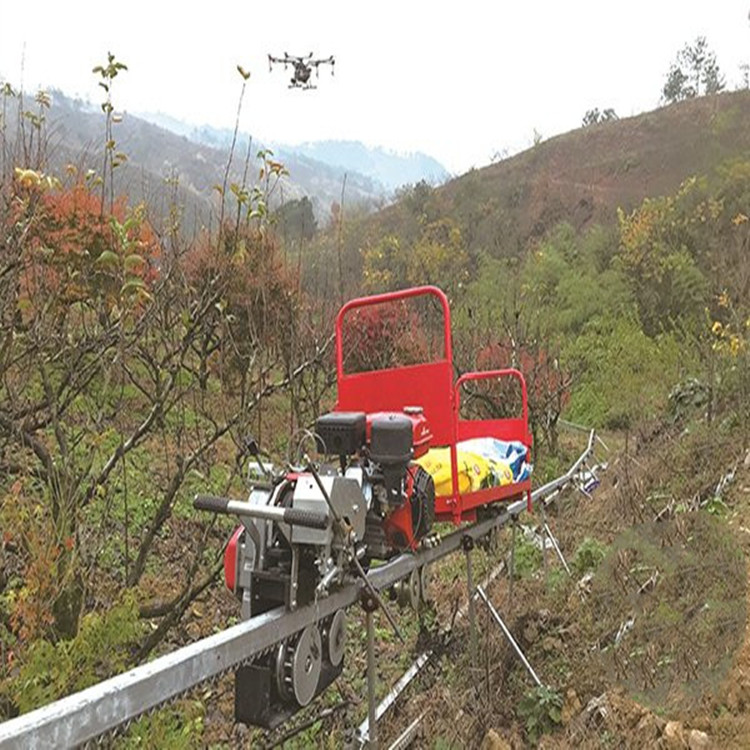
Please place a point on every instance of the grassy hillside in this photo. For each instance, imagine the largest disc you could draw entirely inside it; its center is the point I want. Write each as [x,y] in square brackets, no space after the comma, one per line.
[582,177]
[134,367]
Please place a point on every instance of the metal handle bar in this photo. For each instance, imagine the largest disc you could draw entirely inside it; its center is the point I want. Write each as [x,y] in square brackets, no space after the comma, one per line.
[468,377]
[292,516]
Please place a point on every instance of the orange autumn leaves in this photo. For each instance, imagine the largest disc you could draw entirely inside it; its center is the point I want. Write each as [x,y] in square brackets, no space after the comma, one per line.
[74,252]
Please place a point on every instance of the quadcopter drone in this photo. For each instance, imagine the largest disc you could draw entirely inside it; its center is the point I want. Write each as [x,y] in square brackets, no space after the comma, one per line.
[303,67]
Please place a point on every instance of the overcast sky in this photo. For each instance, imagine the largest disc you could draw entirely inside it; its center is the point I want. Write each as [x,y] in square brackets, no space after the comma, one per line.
[459,81]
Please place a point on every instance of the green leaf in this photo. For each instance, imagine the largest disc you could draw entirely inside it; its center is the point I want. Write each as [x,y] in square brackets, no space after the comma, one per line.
[107,258]
[134,262]
[132,285]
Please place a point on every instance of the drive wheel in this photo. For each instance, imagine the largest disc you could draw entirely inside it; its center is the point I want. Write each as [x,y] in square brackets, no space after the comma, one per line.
[298,666]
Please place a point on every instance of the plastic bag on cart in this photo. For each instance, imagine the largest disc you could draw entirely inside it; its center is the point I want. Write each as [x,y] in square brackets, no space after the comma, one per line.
[472,470]
[482,463]
[508,453]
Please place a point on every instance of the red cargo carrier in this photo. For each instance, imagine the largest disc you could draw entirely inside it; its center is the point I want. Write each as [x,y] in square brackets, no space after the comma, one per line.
[430,385]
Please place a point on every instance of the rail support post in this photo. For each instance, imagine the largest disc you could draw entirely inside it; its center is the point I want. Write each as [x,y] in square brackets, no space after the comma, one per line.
[512,566]
[499,620]
[557,549]
[370,604]
[468,545]
[544,538]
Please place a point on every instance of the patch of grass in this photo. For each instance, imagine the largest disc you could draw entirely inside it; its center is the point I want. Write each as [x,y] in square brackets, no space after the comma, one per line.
[528,558]
[557,581]
[541,711]
[102,647]
[177,727]
[588,556]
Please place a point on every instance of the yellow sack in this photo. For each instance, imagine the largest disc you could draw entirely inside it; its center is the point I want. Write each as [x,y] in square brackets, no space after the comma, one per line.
[474,471]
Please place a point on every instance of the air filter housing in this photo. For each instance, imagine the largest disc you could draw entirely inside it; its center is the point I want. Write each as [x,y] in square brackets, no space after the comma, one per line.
[341,433]
[391,439]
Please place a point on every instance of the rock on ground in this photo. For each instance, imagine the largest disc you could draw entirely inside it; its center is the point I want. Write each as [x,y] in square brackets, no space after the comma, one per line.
[698,740]
[493,741]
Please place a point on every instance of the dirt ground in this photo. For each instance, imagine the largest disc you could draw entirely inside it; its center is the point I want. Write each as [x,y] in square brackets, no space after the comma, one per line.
[679,675]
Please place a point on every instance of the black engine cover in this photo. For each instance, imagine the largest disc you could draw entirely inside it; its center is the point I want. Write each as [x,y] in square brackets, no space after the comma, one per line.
[341,433]
[391,437]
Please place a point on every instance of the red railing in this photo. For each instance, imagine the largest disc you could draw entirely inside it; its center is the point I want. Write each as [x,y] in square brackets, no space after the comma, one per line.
[430,385]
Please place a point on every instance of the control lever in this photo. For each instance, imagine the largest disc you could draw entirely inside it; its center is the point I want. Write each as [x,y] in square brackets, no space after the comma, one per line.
[253,449]
[291,516]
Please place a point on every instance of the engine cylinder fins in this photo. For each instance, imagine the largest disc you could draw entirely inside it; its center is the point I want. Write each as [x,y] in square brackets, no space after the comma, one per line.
[407,591]
[298,666]
[335,638]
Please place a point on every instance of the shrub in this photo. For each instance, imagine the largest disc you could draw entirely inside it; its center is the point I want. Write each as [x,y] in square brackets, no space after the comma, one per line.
[541,711]
[101,648]
[587,557]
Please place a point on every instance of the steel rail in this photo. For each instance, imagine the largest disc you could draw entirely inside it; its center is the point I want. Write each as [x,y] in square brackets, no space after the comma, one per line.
[110,704]
[409,734]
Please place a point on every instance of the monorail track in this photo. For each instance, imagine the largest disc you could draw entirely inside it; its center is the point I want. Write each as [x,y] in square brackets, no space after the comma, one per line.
[111,705]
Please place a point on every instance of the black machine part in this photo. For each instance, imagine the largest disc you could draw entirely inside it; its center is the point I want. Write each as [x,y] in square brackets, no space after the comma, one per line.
[391,439]
[273,689]
[422,502]
[341,433]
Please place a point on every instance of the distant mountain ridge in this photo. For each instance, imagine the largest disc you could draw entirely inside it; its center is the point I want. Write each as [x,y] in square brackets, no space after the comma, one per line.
[387,169]
[391,169]
[173,163]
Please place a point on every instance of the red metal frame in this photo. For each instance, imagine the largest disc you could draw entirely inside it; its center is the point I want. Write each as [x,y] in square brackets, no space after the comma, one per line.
[231,557]
[502,429]
[424,385]
[430,385]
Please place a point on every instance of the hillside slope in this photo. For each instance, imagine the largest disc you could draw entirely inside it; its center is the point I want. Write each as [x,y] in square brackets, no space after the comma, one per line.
[164,167]
[583,176]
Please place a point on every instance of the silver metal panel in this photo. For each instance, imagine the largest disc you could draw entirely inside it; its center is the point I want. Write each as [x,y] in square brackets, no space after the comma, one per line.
[346,498]
[349,502]
[307,496]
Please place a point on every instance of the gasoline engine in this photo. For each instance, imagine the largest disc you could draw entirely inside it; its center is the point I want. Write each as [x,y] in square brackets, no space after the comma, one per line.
[307,530]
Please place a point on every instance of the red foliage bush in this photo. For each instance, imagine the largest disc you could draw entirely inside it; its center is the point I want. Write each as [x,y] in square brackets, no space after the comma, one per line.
[383,336]
[75,252]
